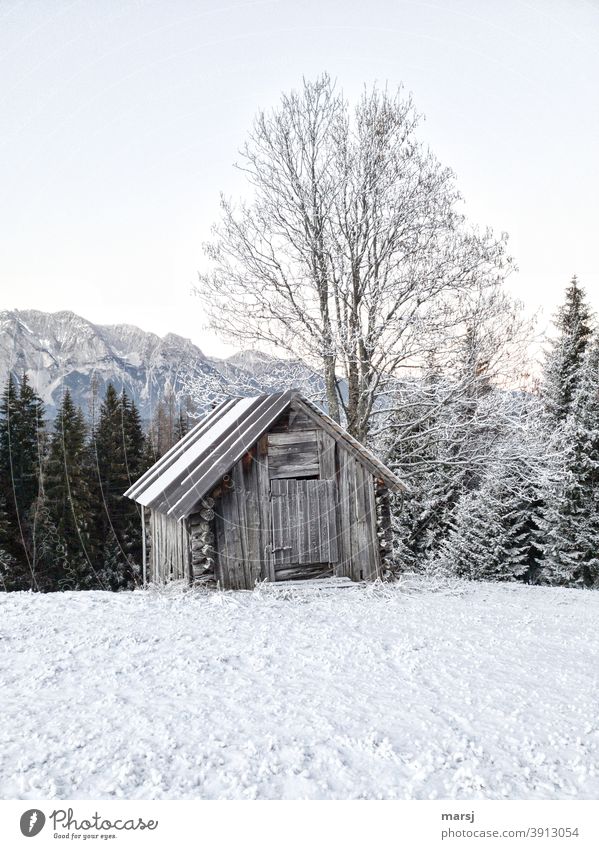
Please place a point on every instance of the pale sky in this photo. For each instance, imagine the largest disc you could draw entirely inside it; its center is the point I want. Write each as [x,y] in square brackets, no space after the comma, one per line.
[120,122]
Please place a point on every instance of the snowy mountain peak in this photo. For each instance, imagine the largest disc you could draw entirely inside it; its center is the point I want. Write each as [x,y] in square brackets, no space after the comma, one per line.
[62,349]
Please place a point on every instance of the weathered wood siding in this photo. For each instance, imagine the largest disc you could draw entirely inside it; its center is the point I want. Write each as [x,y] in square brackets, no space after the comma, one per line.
[255,542]
[327,461]
[169,549]
[359,557]
[242,523]
[293,454]
[304,522]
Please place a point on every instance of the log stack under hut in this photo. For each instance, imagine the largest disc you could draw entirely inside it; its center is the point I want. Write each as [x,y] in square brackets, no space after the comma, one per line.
[266,488]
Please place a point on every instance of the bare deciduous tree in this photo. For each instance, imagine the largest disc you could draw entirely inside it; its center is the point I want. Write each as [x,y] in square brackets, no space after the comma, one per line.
[351,253]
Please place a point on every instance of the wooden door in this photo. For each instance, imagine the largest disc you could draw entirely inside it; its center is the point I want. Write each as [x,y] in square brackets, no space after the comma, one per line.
[304,526]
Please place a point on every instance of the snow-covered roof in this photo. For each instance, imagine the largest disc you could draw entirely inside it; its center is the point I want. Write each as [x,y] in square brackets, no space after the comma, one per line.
[193,466]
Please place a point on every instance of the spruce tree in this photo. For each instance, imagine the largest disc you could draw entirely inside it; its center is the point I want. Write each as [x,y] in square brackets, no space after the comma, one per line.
[68,500]
[33,449]
[441,434]
[8,563]
[571,510]
[561,379]
[474,547]
[117,448]
[493,534]
[10,531]
[135,454]
[133,438]
[566,353]
[22,446]
[31,446]
[414,457]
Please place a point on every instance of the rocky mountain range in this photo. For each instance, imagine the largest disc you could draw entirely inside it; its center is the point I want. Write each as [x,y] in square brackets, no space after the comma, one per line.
[62,349]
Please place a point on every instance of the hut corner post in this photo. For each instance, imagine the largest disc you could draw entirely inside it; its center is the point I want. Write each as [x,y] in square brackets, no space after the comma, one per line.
[143,547]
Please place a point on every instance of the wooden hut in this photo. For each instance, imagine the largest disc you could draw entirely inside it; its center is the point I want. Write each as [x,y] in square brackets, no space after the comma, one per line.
[266,488]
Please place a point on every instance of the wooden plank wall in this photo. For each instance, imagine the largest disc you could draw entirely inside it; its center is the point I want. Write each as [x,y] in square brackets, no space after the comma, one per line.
[169,549]
[293,454]
[243,518]
[243,511]
[326,455]
[359,557]
[242,522]
[304,530]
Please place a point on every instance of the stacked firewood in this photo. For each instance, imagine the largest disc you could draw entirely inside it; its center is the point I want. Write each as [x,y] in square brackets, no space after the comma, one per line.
[384,530]
[201,529]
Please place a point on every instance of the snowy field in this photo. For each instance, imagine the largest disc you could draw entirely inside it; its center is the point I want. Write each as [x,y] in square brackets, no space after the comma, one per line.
[417,692]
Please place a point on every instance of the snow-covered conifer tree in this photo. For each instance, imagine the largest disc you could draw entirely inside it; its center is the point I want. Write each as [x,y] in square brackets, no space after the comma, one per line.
[493,534]
[571,508]
[444,433]
[562,377]
[565,356]
[494,530]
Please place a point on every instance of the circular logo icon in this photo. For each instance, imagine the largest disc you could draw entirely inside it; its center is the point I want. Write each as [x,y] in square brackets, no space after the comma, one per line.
[32,822]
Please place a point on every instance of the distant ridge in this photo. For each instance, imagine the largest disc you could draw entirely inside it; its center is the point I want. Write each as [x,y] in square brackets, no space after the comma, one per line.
[62,349]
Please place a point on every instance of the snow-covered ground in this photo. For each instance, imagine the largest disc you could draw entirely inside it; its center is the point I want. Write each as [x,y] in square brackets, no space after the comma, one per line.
[421,691]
